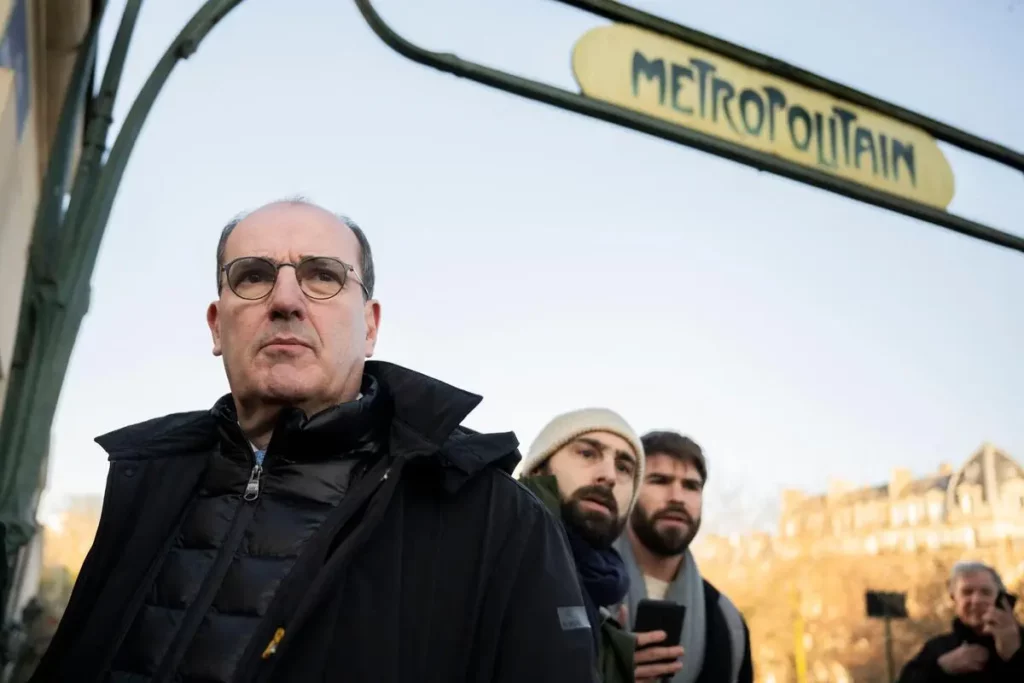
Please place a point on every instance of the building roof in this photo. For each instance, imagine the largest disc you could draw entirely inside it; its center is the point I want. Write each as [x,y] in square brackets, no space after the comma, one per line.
[972,471]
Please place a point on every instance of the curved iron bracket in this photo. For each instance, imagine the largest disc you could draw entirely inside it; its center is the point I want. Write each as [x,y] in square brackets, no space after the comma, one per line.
[581,104]
[65,244]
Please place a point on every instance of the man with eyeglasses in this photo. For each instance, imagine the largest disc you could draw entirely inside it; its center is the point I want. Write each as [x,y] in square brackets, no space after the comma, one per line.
[329,519]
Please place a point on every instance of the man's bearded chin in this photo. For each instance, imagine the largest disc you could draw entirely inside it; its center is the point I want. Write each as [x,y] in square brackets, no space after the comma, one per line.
[598,529]
[668,541]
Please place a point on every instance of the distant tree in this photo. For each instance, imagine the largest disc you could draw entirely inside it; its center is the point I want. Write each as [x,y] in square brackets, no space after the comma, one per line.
[68,543]
[55,586]
[786,595]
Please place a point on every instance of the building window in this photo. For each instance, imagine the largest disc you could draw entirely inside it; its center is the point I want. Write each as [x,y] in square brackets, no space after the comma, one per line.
[897,515]
[871,545]
[966,504]
[935,510]
[912,513]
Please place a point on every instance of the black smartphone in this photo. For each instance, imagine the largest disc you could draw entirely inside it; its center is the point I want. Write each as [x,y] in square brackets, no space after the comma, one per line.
[661,615]
[1011,600]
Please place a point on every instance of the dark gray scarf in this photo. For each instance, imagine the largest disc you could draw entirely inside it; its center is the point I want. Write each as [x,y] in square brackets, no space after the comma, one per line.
[686,589]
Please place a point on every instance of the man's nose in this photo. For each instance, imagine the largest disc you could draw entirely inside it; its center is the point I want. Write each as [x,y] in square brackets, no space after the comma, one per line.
[677,494]
[605,472]
[287,299]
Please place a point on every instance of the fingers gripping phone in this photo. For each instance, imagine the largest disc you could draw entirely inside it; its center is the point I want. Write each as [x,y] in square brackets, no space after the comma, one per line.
[661,615]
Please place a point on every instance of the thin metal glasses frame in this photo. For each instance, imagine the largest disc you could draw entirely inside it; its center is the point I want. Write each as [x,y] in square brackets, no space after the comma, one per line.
[349,271]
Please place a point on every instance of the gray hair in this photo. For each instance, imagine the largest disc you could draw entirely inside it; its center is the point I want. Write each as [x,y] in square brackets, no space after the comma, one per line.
[366,270]
[972,567]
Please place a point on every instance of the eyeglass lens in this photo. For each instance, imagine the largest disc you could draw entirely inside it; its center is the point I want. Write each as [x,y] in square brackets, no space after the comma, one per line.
[254,277]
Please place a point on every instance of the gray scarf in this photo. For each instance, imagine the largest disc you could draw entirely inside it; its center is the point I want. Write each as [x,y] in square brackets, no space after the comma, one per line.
[686,589]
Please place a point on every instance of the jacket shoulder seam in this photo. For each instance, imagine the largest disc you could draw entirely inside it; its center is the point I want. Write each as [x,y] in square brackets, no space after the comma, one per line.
[132,449]
[130,455]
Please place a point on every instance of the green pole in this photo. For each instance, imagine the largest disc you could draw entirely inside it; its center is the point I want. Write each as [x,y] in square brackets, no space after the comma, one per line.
[63,254]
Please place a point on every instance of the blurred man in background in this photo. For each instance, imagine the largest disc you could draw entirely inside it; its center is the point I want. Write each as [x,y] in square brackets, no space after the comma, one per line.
[985,643]
[656,551]
[586,466]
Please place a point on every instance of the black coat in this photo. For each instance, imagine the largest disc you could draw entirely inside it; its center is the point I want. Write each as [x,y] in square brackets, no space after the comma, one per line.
[435,566]
[924,668]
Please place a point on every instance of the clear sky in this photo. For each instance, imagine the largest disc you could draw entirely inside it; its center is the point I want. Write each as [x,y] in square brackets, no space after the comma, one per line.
[549,262]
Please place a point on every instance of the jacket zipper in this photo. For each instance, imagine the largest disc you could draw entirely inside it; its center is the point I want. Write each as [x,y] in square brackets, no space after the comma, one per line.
[196,612]
[279,633]
[252,488]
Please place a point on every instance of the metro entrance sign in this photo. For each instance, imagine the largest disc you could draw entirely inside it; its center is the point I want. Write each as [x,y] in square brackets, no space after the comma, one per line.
[688,86]
[664,79]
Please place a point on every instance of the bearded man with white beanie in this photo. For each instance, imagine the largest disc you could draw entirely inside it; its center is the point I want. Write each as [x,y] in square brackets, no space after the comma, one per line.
[586,466]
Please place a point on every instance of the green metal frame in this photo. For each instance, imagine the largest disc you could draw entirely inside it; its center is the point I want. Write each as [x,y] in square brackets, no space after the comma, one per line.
[620,13]
[65,243]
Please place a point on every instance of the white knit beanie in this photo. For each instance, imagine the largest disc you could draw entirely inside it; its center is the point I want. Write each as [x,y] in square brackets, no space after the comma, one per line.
[568,426]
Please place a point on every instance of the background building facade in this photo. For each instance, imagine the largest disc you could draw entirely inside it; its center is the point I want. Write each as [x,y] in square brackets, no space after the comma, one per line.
[805,584]
[979,503]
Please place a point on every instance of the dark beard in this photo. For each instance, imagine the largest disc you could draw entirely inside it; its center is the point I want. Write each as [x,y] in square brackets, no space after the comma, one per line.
[595,528]
[666,542]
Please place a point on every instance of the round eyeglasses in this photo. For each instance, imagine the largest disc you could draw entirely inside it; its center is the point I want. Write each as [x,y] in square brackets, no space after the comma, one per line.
[320,277]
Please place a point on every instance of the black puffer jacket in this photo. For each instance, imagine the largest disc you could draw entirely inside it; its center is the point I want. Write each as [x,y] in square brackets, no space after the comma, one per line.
[230,554]
[924,668]
[434,566]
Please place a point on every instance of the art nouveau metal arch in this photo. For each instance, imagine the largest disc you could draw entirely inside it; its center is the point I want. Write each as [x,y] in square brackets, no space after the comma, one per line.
[629,118]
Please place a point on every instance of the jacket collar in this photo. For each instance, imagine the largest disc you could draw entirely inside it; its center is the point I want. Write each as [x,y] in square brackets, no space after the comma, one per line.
[545,487]
[358,425]
[192,433]
[425,416]
[428,408]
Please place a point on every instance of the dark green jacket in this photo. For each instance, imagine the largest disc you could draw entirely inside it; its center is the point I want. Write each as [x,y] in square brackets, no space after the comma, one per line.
[616,646]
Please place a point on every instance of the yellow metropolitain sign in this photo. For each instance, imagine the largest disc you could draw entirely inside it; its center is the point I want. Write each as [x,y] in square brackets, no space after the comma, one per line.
[704,91]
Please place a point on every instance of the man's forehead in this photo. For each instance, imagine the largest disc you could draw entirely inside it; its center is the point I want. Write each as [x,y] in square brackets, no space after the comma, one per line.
[660,463]
[976,579]
[286,230]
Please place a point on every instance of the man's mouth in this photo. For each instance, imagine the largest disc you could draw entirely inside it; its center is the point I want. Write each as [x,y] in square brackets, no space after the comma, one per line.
[599,503]
[592,504]
[284,342]
[676,517]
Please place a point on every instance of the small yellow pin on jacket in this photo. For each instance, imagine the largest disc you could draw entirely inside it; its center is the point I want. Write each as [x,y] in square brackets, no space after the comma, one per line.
[274,642]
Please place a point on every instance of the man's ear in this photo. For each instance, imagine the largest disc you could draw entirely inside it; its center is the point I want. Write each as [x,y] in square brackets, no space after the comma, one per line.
[371,311]
[213,320]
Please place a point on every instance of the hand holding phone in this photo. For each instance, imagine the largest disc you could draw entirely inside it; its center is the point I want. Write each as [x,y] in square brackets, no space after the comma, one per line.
[659,630]
[1001,624]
